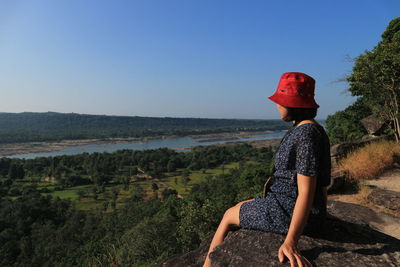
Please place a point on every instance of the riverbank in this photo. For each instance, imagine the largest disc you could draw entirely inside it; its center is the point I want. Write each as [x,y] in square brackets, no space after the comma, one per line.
[60,146]
[255,143]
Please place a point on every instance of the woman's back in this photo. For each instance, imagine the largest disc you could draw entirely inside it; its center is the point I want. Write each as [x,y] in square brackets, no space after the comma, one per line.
[304,149]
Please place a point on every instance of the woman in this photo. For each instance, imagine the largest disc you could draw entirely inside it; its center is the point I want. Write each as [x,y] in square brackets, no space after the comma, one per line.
[296,200]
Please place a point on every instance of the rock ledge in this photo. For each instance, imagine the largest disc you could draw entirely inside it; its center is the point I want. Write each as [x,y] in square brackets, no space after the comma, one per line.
[342,243]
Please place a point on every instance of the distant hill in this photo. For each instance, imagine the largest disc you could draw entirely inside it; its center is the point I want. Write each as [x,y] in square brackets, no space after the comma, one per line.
[52,126]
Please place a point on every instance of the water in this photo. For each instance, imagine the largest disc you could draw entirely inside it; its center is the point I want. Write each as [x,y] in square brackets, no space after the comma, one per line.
[151,144]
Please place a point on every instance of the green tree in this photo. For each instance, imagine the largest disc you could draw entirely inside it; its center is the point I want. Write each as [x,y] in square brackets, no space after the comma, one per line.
[376,77]
[171,166]
[126,182]
[345,125]
[186,180]
[138,192]
[168,192]
[154,187]
[148,242]
[13,172]
[81,194]
[16,171]
[186,172]
[95,192]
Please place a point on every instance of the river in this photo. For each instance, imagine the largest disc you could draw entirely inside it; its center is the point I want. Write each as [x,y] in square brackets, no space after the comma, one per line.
[180,144]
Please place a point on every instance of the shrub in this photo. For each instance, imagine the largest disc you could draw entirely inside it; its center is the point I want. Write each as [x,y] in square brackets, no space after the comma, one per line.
[371,160]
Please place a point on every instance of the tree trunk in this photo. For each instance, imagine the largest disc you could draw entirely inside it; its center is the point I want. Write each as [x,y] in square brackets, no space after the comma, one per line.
[395,126]
[394,107]
[397,132]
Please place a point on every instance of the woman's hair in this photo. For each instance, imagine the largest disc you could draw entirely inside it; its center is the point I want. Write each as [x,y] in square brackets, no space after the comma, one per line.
[300,114]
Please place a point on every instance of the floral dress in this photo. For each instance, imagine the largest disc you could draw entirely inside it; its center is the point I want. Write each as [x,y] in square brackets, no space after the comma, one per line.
[304,149]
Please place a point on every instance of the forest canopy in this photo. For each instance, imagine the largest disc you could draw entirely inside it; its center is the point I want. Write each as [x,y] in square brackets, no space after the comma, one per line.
[52,126]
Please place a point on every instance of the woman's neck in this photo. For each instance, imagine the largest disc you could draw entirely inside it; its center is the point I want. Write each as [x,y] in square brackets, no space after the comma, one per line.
[298,123]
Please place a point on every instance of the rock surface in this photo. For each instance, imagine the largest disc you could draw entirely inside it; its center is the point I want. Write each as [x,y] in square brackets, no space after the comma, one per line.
[388,180]
[372,124]
[375,204]
[385,198]
[194,258]
[361,215]
[349,242]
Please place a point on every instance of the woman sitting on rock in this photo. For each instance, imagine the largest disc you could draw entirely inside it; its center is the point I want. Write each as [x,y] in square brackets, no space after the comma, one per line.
[296,200]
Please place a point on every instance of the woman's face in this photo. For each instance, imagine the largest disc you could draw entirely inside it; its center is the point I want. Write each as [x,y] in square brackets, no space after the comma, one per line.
[283,111]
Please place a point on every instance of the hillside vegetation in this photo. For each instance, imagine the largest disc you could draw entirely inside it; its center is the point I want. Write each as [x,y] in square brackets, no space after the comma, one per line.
[116,221]
[52,126]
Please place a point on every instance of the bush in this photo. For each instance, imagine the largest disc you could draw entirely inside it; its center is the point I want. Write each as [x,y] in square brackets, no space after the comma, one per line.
[45,190]
[345,126]
[371,160]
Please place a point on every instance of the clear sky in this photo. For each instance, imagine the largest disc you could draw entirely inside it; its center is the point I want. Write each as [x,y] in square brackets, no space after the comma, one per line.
[179,58]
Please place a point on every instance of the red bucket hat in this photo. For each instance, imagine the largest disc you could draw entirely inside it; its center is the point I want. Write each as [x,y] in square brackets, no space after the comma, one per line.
[295,90]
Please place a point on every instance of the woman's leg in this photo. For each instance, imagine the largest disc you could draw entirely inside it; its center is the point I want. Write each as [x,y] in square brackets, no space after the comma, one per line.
[231,218]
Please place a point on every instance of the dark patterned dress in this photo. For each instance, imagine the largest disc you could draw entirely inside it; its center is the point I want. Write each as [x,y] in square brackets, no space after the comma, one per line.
[304,149]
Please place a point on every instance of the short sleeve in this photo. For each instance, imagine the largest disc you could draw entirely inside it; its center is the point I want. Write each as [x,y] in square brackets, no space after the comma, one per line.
[308,152]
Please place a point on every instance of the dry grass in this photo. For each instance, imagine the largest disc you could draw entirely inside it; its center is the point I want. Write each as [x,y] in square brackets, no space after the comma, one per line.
[362,195]
[370,161]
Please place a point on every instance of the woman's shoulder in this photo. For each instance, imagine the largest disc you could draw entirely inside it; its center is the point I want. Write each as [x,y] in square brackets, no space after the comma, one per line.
[308,132]
[309,128]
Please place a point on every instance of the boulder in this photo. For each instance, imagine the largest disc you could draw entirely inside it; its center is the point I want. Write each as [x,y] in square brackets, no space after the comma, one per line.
[348,242]
[372,124]
[194,258]
[375,218]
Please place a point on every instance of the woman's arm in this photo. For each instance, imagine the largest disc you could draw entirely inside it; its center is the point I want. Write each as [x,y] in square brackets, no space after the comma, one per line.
[306,190]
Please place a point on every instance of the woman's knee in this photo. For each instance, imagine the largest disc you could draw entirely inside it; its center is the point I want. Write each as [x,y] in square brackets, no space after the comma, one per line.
[229,211]
[231,215]
[240,203]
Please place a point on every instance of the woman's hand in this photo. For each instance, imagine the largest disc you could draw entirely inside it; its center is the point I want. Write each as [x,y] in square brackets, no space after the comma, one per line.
[290,250]
[306,187]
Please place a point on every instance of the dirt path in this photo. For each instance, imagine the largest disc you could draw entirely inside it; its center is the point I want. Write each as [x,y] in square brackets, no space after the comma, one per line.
[389,180]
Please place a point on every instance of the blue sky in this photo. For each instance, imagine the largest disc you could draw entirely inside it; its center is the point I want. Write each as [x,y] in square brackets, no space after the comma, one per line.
[186,58]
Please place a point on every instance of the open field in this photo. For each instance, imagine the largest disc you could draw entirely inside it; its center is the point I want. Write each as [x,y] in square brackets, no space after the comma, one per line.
[196,177]
[87,201]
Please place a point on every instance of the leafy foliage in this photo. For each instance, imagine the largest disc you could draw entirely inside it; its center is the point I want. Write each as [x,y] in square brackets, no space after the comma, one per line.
[376,80]
[44,231]
[345,125]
